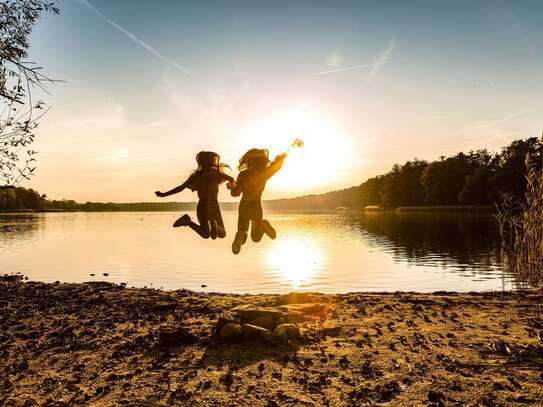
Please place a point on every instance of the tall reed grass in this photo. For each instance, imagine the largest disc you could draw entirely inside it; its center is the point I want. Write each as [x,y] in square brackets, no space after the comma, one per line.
[521,228]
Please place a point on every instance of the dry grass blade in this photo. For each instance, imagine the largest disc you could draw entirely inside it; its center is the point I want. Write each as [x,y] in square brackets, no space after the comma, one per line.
[521,229]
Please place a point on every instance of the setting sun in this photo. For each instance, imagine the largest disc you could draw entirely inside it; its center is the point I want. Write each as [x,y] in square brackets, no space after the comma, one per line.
[325,151]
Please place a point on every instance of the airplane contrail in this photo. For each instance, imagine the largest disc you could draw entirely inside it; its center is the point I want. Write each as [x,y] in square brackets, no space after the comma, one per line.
[347,68]
[135,39]
[375,66]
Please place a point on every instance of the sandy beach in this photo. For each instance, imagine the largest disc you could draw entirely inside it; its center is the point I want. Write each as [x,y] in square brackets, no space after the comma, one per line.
[102,344]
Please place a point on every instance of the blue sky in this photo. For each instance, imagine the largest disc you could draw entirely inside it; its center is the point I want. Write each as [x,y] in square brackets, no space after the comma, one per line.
[369,83]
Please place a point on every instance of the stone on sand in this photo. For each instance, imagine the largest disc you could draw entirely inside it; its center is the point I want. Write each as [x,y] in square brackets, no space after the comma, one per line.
[248,312]
[294,317]
[231,332]
[253,332]
[265,321]
[286,332]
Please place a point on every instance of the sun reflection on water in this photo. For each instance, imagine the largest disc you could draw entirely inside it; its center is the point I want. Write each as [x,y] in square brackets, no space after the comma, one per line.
[298,260]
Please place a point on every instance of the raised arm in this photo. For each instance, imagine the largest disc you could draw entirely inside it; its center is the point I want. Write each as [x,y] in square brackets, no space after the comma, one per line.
[275,165]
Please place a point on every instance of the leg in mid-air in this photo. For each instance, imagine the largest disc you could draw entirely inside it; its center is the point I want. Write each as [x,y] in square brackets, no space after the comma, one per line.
[239,240]
[203,229]
[243,227]
[259,226]
[184,220]
[213,228]
[221,230]
[218,220]
[268,229]
[256,231]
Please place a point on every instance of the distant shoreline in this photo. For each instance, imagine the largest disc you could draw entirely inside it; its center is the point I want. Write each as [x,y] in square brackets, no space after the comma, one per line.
[270,206]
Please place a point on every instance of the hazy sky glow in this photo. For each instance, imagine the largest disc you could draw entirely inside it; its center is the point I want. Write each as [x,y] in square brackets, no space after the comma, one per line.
[365,84]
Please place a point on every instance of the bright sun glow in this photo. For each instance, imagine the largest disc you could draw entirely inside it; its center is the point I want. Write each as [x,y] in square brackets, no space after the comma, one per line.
[123,153]
[325,153]
[298,260]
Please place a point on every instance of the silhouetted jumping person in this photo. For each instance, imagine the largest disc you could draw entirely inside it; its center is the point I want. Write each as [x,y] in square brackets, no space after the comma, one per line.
[255,170]
[205,180]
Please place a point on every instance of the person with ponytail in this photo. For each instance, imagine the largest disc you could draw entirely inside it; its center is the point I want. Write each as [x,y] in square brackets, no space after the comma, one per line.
[255,170]
[205,180]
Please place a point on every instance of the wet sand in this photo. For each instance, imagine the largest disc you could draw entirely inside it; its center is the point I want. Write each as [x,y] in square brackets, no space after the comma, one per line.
[100,344]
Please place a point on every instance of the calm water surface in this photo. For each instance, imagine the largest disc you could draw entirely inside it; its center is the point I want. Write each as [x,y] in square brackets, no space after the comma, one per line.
[328,253]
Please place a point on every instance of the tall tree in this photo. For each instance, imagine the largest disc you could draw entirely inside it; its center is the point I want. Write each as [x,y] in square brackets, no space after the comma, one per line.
[443,180]
[510,177]
[402,185]
[19,114]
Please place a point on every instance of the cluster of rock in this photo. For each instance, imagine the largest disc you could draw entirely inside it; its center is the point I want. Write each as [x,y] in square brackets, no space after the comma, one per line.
[250,322]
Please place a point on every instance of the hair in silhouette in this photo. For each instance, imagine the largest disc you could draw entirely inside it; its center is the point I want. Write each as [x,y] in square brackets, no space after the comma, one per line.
[254,158]
[205,180]
[209,160]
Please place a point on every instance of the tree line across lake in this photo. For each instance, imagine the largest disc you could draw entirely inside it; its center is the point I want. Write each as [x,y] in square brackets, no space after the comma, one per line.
[474,178]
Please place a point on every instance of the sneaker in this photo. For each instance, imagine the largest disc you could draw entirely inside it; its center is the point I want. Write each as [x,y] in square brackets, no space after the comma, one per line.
[236,246]
[182,221]
[268,229]
[239,240]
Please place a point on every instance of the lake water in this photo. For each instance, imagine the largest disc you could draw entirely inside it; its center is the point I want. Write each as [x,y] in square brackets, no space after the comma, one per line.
[319,252]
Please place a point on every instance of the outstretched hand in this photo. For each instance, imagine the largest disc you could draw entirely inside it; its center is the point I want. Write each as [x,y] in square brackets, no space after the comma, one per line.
[297,143]
[159,194]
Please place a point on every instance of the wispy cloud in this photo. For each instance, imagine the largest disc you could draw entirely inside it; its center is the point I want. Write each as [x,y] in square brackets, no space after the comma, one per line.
[374,66]
[496,121]
[381,60]
[135,39]
[519,29]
